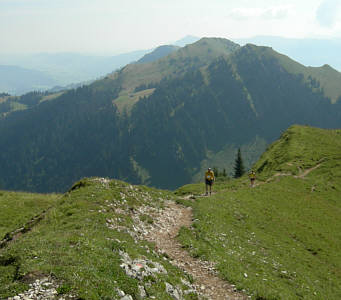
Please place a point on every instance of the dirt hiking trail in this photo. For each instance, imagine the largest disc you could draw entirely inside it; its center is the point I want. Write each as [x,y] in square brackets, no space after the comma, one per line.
[165,230]
[302,174]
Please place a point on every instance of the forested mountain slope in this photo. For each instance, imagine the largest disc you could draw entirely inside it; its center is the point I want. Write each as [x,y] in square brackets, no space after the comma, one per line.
[161,123]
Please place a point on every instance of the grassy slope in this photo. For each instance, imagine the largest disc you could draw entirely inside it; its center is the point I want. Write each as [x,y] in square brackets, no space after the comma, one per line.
[51,96]
[74,244]
[13,105]
[16,105]
[19,208]
[127,100]
[279,240]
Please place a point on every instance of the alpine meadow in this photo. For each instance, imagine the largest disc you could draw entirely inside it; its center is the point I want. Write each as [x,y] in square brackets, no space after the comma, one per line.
[102,192]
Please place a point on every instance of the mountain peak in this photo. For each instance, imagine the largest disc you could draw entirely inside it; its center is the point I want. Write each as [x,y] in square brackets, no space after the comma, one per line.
[208,48]
[216,42]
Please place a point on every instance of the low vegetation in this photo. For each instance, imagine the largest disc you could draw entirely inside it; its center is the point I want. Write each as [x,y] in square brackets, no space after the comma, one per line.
[126,101]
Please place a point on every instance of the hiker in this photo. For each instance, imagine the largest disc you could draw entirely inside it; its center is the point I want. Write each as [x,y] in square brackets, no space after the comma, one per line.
[209,180]
[252,177]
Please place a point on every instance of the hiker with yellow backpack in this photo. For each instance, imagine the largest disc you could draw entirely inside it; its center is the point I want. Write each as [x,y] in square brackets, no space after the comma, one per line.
[209,180]
[252,176]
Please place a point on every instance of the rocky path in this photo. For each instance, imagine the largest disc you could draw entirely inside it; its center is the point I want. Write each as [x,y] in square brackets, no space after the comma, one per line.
[307,171]
[165,229]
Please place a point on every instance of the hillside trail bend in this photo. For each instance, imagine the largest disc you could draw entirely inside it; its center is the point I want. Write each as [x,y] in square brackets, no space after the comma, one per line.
[302,173]
[165,229]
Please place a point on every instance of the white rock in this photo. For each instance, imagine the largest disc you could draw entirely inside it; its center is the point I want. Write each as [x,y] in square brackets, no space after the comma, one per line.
[173,292]
[142,291]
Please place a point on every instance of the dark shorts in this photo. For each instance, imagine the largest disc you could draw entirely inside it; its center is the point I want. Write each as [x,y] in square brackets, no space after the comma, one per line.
[252,179]
[209,182]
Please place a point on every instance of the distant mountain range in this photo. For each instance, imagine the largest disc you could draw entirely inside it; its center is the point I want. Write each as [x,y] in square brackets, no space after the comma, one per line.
[72,69]
[164,121]
[17,80]
[68,69]
[65,68]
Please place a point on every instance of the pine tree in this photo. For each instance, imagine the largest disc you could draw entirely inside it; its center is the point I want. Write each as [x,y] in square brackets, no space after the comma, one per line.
[238,165]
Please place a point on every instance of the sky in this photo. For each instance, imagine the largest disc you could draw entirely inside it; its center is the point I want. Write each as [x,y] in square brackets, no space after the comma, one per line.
[116,26]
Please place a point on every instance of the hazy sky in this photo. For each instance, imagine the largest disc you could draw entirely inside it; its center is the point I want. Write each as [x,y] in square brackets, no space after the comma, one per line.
[112,26]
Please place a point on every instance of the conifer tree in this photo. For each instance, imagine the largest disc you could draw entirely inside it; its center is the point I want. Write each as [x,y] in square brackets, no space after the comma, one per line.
[239,169]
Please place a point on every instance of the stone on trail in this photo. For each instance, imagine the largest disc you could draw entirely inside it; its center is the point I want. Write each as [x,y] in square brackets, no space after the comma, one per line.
[173,292]
[142,291]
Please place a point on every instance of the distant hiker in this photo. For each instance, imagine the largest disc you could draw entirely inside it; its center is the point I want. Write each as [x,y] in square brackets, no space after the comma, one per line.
[209,180]
[252,177]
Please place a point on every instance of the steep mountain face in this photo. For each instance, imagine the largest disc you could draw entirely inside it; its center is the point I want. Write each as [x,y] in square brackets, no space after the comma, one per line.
[161,123]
